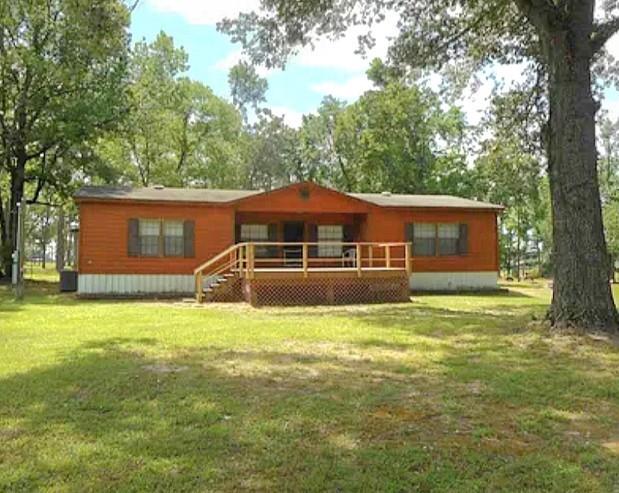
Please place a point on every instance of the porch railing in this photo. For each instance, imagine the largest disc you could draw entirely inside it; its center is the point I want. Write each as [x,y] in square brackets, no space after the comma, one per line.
[245,259]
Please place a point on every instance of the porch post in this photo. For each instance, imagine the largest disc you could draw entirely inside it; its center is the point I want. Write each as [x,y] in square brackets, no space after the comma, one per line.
[407,256]
[388,256]
[250,260]
[358,260]
[199,287]
[240,263]
[305,261]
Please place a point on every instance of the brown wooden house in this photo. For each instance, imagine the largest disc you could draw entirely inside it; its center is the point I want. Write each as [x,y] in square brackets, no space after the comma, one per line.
[303,243]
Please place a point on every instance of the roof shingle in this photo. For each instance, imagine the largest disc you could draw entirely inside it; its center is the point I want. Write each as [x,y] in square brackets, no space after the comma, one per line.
[167,194]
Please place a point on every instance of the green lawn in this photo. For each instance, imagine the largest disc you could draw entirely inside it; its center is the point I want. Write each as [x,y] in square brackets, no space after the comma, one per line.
[447,393]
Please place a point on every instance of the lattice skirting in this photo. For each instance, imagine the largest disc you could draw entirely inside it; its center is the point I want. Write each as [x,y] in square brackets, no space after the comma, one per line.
[325,291]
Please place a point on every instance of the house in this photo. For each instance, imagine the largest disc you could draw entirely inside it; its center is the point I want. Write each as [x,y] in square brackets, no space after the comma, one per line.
[162,240]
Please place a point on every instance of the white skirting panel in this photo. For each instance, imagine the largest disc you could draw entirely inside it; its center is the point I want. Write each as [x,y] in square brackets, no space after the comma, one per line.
[127,284]
[453,281]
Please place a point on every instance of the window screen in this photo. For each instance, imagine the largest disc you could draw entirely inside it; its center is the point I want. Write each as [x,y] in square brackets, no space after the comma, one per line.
[424,241]
[330,233]
[149,231]
[448,237]
[173,243]
[256,233]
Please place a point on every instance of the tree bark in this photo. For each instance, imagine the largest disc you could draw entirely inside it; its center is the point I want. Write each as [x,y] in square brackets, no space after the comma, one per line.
[18,177]
[60,241]
[582,295]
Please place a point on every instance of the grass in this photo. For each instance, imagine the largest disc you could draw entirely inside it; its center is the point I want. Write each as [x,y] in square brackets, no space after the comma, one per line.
[447,393]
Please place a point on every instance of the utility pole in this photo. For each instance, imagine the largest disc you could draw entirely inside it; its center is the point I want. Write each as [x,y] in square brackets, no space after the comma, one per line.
[19,253]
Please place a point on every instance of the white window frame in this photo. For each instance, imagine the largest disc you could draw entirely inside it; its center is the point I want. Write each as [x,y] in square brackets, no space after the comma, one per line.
[168,233]
[330,233]
[448,231]
[142,225]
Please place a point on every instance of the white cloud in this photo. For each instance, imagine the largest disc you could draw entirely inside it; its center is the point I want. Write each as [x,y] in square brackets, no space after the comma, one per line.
[336,54]
[229,61]
[340,53]
[235,57]
[349,90]
[207,12]
[291,117]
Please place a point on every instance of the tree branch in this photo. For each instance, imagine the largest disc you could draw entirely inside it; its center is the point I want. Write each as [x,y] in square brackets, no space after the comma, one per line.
[602,32]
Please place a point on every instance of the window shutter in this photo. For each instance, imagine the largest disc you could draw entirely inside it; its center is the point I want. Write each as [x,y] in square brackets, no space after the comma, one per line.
[348,233]
[237,233]
[273,232]
[312,233]
[409,232]
[463,239]
[189,235]
[133,238]
[272,235]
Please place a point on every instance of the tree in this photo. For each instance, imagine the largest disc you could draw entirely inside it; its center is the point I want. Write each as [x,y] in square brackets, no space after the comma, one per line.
[272,153]
[62,76]
[561,39]
[609,180]
[247,87]
[178,133]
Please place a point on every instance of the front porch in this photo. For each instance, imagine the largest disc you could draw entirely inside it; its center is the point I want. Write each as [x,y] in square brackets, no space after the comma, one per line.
[306,273]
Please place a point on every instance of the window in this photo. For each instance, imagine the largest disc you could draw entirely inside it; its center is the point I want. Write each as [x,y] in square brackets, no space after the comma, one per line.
[256,233]
[330,233]
[424,240]
[173,238]
[438,239]
[448,238]
[149,233]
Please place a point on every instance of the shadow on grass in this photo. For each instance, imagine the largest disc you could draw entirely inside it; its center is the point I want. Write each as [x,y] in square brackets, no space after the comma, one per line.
[115,415]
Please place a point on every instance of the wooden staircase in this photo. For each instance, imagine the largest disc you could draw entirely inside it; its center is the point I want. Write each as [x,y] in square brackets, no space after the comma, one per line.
[225,288]
[225,271]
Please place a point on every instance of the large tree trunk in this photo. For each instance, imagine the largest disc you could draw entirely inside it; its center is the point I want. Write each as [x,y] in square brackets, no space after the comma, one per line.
[582,295]
[17,192]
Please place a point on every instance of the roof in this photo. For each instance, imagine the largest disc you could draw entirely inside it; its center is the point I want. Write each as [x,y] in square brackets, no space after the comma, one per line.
[163,194]
[167,194]
[403,200]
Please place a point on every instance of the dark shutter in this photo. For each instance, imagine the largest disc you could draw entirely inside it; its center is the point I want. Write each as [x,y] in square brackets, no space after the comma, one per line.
[409,232]
[312,233]
[189,228]
[237,233]
[463,239]
[348,233]
[272,250]
[133,238]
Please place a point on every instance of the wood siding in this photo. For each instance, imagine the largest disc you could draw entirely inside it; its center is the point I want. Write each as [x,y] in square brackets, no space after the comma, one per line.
[303,198]
[385,224]
[103,237]
[103,247]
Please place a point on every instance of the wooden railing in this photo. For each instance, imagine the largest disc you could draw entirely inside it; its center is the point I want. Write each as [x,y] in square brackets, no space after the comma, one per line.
[244,259]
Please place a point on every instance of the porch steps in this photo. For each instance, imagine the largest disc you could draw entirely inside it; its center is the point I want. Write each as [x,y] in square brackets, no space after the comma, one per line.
[227,287]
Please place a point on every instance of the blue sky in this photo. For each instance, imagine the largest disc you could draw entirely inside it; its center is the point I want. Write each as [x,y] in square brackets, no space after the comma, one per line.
[331,68]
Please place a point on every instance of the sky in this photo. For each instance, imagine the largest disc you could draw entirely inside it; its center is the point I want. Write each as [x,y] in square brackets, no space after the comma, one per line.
[331,68]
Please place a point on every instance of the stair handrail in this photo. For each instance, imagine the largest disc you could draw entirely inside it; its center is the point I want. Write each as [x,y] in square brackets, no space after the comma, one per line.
[198,272]
[219,256]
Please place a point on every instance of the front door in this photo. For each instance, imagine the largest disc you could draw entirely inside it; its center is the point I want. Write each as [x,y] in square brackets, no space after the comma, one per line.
[294,232]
